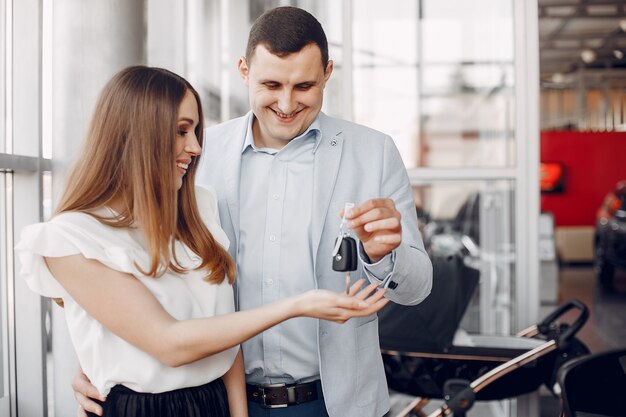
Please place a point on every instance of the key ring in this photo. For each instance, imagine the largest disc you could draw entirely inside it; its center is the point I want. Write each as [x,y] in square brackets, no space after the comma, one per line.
[342,233]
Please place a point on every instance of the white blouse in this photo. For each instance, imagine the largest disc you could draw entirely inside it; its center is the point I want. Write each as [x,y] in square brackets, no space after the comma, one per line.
[105,358]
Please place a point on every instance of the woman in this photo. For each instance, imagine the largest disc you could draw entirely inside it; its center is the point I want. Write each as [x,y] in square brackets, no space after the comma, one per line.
[136,255]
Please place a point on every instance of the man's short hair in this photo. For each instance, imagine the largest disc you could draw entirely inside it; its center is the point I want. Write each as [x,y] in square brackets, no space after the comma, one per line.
[286,30]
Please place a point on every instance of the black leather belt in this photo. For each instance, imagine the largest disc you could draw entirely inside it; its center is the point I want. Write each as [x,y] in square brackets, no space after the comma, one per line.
[283,395]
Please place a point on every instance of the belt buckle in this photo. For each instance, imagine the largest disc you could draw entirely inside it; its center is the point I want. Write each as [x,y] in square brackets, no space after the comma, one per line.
[264,404]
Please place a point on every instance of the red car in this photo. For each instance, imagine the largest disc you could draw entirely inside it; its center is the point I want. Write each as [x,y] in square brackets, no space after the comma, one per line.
[610,237]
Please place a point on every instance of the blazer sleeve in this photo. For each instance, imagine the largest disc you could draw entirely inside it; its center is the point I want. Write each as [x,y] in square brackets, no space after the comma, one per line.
[410,280]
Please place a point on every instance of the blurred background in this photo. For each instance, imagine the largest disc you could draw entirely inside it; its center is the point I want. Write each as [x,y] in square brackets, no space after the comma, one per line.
[509,116]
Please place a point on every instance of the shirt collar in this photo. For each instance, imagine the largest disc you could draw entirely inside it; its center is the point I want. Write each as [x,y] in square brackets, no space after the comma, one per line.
[313,131]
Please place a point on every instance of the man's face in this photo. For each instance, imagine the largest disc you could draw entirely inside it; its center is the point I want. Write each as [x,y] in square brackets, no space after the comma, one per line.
[286,93]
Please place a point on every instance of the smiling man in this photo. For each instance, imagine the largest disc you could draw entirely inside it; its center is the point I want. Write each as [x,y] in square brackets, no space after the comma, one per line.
[282,174]
[286,93]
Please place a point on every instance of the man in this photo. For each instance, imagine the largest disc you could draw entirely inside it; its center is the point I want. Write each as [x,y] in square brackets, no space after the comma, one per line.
[283,174]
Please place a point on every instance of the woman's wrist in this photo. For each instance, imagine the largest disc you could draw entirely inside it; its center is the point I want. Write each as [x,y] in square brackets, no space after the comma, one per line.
[293,306]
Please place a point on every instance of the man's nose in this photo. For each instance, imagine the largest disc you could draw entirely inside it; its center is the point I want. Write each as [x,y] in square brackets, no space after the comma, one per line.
[286,102]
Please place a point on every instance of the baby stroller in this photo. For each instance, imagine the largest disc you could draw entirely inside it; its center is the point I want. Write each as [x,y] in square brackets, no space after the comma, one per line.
[423,360]
[594,385]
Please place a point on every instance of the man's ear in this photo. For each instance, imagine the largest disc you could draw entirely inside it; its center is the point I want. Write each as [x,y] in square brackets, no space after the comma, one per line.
[242,67]
[328,70]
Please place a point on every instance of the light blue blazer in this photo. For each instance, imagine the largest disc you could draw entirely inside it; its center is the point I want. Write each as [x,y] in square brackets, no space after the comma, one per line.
[352,164]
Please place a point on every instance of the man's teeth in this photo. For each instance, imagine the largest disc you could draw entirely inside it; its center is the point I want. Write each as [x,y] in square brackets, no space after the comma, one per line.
[283,115]
[181,165]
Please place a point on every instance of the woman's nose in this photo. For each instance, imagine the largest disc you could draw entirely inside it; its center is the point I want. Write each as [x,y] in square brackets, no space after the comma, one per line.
[192,146]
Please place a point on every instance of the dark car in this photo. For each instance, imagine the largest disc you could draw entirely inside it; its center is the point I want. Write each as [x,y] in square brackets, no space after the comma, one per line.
[610,237]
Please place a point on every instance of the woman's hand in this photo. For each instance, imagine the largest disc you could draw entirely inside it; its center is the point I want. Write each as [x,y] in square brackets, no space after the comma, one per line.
[328,305]
[85,392]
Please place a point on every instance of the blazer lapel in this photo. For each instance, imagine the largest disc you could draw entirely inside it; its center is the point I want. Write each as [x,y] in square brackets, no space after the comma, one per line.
[327,159]
[232,172]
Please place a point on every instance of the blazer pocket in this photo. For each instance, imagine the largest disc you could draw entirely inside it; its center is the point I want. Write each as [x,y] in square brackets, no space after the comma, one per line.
[370,375]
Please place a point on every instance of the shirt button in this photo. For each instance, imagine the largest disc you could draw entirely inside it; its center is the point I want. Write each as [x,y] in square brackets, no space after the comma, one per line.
[269,282]
[275,196]
[272,238]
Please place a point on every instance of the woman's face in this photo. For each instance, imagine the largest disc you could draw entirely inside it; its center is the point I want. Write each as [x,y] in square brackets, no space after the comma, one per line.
[187,145]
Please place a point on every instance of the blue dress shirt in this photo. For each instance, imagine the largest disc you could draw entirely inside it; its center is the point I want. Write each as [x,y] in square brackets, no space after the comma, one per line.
[275,258]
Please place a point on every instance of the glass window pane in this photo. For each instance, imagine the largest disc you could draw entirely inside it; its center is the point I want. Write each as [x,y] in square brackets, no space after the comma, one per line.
[2,74]
[467,228]
[439,80]
[385,75]
[466,85]
[459,31]
[3,270]
[4,323]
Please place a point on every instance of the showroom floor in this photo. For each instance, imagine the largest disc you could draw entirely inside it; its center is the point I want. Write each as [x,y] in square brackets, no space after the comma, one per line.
[605,329]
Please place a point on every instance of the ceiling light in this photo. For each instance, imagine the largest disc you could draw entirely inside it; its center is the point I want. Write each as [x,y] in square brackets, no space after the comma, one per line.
[558,78]
[588,56]
[622,25]
[618,54]
[601,9]
[561,11]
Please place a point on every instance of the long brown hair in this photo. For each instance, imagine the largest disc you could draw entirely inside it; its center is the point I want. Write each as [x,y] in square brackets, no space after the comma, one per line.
[129,148]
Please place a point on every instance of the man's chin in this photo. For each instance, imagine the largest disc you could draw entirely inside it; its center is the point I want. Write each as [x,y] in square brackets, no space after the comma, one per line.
[285,135]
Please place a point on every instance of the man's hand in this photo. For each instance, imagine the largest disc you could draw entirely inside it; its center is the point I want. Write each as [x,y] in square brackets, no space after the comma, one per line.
[84,392]
[377,224]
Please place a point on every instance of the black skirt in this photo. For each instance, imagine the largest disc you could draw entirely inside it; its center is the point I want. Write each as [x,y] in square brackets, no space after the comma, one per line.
[208,400]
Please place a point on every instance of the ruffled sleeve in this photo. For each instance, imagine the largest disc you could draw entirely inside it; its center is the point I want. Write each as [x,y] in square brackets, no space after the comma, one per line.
[38,241]
[71,234]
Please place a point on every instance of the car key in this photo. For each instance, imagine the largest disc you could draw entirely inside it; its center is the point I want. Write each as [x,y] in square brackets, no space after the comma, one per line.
[345,258]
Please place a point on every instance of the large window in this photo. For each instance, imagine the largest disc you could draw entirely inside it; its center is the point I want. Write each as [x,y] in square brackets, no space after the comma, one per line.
[4,299]
[4,342]
[454,83]
[22,345]
[5,253]
[438,76]
[467,84]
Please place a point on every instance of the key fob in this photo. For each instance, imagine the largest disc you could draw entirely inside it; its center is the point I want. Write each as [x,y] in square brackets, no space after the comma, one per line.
[346,257]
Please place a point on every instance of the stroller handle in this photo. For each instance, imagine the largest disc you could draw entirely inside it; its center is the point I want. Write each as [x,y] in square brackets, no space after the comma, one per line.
[564,338]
